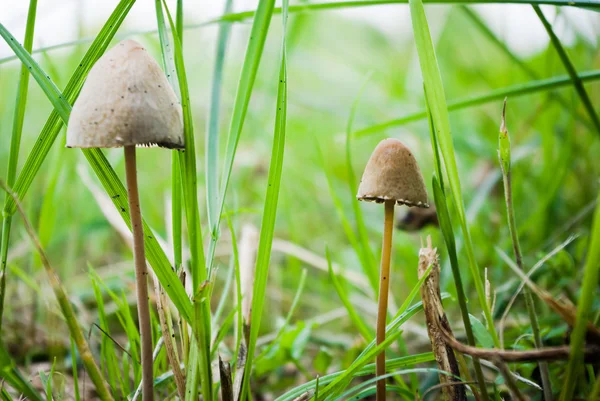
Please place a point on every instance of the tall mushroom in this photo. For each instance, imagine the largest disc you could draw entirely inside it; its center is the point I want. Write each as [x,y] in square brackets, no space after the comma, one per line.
[126,101]
[391,177]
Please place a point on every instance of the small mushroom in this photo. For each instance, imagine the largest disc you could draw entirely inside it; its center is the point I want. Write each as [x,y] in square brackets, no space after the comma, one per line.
[126,102]
[391,177]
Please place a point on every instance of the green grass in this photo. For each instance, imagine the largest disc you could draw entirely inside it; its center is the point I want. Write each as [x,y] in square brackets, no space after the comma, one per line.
[290,165]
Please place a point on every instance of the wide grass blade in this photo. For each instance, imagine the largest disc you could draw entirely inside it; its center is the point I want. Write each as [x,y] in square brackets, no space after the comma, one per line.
[54,123]
[267,228]
[445,224]
[439,113]
[256,43]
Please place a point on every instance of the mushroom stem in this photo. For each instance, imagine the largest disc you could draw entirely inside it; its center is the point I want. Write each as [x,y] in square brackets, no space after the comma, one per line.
[141,273]
[384,285]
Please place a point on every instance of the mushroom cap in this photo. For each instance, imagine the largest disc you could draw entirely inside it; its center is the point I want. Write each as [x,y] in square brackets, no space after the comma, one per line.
[126,100]
[392,173]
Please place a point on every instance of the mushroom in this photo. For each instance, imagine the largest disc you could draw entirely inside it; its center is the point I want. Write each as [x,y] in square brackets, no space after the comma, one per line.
[126,101]
[391,177]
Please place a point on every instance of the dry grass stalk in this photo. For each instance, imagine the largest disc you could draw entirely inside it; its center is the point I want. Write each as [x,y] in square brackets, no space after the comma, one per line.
[167,335]
[436,317]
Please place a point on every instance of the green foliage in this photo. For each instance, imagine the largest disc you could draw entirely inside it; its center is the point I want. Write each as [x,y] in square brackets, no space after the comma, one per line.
[316,261]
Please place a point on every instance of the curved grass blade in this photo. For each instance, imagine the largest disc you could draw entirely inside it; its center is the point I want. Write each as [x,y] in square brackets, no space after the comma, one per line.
[564,57]
[501,45]
[494,95]
[392,333]
[300,8]
[54,123]
[366,370]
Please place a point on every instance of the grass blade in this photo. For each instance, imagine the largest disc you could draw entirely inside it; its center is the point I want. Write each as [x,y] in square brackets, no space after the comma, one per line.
[392,333]
[11,374]
[366,334]
[505,165]
[492,96]
[366,370]
[15,145]
[371,268]
[270,213]
[439,113]
[562,53]
[487,32]
[53,124]
[256,43]
[584,309]
[212,136]
[187,163]
[445,223]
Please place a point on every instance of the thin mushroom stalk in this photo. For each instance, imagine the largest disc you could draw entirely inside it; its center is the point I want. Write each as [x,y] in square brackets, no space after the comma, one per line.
[384,286]
[391,177]
[127,101]
[141,272]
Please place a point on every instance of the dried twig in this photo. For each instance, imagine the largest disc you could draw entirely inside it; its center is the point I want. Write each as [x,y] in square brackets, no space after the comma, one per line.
[436,318]
[561,353]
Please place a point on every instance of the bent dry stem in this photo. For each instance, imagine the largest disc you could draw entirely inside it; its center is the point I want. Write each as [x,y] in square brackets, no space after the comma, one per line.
[141,273]
[384,285]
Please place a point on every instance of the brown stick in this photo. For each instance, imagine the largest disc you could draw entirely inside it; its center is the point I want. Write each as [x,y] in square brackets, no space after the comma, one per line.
[226,385]
[141,273]
[561,353]
[384,285]
[436,317]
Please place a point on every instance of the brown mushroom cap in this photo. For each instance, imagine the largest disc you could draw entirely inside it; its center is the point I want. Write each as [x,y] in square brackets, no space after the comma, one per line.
[392,173]
[126,100]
